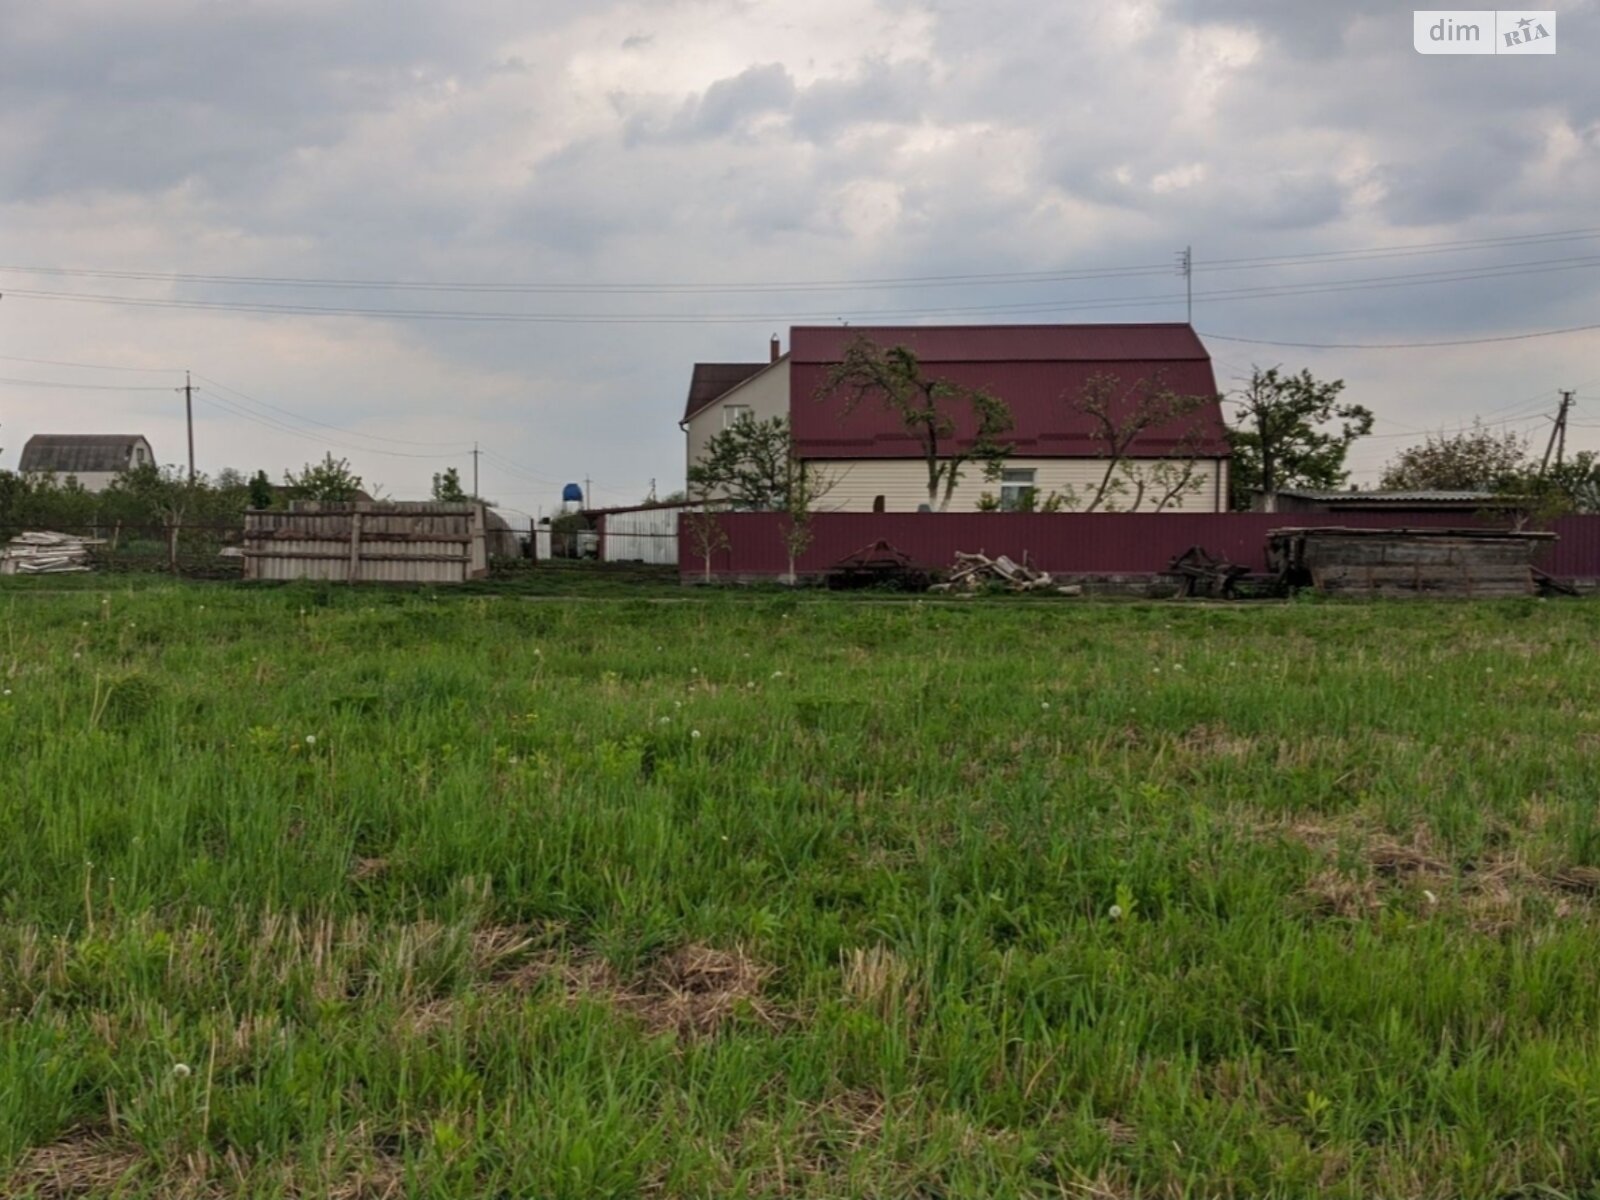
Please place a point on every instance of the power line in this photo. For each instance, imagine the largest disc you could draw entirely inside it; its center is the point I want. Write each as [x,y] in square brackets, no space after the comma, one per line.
[1478,341]
[992,278]
[85,387]
[312,420]
[1408,279]
[271,423]
[56,362]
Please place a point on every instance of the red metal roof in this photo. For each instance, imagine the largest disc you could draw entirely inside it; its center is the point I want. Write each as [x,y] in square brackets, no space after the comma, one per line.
[1035,369]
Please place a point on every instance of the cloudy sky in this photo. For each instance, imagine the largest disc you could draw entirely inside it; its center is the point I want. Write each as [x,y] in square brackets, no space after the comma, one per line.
[640,185]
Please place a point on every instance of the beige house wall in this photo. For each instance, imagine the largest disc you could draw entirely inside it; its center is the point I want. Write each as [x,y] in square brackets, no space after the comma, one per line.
[903,484]
[766,394]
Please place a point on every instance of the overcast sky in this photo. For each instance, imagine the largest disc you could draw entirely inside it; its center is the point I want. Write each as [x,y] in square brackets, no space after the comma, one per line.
[717,143]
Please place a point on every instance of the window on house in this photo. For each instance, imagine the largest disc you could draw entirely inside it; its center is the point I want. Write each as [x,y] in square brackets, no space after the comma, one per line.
[138,456]
[1015,484]
[732,414]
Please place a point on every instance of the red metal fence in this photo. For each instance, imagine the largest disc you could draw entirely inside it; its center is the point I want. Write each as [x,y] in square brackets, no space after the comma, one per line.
[1075,543]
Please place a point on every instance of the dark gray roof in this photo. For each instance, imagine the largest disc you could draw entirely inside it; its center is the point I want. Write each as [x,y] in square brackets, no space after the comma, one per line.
[711,380]
[72,453]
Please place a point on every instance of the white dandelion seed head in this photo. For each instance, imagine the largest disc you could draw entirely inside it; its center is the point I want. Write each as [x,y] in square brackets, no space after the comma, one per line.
[694,733]
[664,721]
[181,1070]
[311,739]
[677,704]
[76,654]
[1044,704]
[1116,912]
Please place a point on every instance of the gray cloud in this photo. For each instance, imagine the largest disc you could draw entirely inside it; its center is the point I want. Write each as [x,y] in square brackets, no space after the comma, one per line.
[718,141]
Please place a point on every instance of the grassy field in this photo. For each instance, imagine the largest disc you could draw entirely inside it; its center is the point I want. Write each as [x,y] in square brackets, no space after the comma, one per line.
[333,894]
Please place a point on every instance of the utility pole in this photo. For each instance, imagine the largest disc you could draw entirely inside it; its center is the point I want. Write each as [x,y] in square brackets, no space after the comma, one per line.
[1186,269]
[587,499]
[475,453]
[1558,434]
[188,413]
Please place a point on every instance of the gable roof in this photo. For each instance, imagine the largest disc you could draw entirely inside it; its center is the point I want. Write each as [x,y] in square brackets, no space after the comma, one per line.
[1033,368]
[711,380]
[73,453]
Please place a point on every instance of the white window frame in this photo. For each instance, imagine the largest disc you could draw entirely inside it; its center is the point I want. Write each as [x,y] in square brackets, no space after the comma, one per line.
[732,414]
[1013,482]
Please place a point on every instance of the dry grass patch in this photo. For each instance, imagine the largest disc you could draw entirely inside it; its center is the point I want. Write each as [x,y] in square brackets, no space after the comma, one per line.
[81,1164]
[691,991]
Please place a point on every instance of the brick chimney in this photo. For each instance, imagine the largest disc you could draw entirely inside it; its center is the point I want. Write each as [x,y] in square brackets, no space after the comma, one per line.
[776,353]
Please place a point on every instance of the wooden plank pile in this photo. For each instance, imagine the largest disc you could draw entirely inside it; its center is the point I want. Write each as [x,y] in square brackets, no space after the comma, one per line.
[972,572]
[46,553]
[1479,563]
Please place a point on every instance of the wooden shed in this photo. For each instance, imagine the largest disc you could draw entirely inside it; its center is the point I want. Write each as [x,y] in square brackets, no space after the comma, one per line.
[1482,563]
[367,541]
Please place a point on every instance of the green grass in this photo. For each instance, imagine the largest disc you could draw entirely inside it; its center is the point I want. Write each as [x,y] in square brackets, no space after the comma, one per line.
[331,893]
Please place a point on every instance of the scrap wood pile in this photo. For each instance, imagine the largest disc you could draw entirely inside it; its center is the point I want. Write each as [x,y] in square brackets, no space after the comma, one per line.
[973,571]
[47,554]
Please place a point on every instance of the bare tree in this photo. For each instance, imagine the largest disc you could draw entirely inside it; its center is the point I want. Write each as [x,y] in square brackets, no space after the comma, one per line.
[926,407]
[1120,415]
[705,532]
[806,485]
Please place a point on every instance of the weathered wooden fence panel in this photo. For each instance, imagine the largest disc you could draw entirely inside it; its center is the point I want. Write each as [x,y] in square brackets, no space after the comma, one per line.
[367,542]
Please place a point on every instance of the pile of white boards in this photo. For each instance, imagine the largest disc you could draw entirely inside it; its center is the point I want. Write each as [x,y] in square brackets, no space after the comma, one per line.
[47,554]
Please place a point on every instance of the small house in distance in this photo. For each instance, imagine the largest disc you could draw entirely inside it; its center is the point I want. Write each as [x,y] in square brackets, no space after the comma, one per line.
[93,459]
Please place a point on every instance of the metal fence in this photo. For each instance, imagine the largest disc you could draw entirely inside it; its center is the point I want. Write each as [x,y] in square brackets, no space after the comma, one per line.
[752,544]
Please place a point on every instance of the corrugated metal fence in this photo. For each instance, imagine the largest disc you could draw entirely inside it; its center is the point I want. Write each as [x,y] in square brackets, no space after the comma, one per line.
[1078,543]
[367,541]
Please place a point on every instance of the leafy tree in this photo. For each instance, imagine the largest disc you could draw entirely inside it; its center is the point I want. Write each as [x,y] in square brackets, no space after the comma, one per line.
[748,463]
[447,486]
[1119,416]
[1472,460]
[261,491]
[330,479]
[1282,437]
[678,497]
[1567,487]
[927,407]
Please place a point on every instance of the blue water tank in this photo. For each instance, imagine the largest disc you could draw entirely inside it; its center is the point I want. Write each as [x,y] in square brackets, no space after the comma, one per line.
[573,493]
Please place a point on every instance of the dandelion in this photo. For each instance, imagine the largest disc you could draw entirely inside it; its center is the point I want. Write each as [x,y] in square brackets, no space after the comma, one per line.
[1155,670]
[1044,704]
[181,1070]
[694,733]
[1116,912]
[7,692]
[1177,666]
[311,739]
[677,704]
[75,654]
[664,721]
[777,674]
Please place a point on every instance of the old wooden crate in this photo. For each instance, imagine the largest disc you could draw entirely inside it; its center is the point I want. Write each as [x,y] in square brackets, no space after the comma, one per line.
[367,541]
[1482,563]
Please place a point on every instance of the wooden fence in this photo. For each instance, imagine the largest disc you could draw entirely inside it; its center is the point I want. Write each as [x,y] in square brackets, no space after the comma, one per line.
[367,542]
